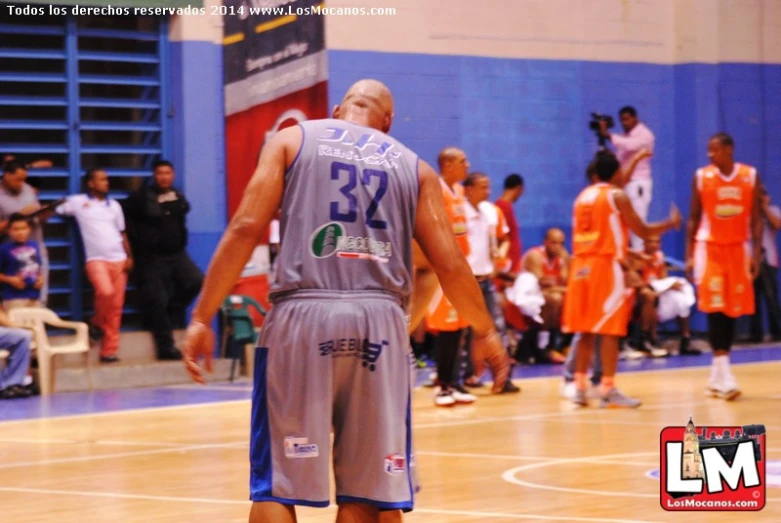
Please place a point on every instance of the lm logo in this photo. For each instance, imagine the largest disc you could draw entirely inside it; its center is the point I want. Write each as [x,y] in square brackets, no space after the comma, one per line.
[713,468]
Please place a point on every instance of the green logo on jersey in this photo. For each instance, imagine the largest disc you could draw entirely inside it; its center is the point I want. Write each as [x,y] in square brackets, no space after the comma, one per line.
[325,239]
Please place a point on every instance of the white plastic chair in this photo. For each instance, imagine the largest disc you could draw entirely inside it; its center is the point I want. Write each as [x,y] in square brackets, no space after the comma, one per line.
[36,320]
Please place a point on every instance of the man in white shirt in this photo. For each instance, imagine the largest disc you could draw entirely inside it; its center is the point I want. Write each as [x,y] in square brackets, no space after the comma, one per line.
[487,233]
[636,137]
[109,260]
[766,284]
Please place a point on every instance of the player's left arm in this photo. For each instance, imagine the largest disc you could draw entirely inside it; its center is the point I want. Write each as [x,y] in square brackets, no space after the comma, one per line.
[756,228]
[565,261]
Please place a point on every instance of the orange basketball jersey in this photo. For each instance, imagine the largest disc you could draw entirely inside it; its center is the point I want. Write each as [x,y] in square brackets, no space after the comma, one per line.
[597,226]
[441,315]
[551,268]
[726,204]
[653,271]
[454,206]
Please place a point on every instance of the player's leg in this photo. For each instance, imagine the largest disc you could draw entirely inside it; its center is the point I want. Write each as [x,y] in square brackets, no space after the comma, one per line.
[448,344]
[568,372]
[291,411]
[582,361]
[372,419]
[721,333]
[616,302]
[270,512]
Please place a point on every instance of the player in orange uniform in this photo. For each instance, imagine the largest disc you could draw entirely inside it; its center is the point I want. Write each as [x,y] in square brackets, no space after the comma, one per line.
[440,316]
[598,300]
[725,207]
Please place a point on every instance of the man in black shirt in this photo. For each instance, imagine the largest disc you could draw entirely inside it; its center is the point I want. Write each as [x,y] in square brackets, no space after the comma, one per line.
[167,278]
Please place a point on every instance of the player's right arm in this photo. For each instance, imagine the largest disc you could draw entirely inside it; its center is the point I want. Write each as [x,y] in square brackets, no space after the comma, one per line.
[637,224]
[434,235]
[532,263]
[695,215]
[258,207]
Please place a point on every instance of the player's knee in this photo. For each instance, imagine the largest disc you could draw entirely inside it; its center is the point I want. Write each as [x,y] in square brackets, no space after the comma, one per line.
[390,516]
[554,299]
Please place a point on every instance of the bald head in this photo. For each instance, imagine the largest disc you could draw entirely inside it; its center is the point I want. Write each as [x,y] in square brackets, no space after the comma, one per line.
[554,242]
[652,244]
[367,102]
[453,165]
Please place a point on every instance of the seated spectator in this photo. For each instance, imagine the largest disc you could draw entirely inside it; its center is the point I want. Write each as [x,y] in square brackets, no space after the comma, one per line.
[662,298]
[14,380]
[766,284]
[21,277]
[109,260]
[18,196]
[168,279]
[549,263]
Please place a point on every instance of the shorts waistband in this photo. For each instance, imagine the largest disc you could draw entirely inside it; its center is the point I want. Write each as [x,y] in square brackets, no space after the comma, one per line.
[328,295]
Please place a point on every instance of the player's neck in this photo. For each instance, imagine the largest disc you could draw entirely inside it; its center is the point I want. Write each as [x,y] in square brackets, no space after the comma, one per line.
[727,168]
[450,180]
[507,197]
[474,203]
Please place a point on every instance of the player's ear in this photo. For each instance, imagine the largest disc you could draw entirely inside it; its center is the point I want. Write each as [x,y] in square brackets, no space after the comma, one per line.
[335,112]
[386,125]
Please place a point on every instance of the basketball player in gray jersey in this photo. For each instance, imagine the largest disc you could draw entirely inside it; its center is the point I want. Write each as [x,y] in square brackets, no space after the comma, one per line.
[334,351]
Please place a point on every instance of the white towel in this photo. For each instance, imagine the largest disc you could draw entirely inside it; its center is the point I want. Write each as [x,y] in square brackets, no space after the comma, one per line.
[527,295]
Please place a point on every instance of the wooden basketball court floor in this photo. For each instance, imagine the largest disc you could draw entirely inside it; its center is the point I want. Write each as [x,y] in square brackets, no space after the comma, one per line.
[523,457]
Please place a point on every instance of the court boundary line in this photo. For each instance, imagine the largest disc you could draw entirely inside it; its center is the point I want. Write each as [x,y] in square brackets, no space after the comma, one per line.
[421,510]
[248,400]
[510,476]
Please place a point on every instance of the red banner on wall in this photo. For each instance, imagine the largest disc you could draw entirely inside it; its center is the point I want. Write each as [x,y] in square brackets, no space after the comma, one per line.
[275,75]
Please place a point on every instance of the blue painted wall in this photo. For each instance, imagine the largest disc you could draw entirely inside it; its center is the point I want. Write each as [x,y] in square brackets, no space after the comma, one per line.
[530,116]
[199,137]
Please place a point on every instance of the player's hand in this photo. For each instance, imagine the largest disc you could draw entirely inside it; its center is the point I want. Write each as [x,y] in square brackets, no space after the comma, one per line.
[199,343]
[489,349]
[675,217]
[643,154]
[29,209]
[755,267]
[16,282]
[689,269]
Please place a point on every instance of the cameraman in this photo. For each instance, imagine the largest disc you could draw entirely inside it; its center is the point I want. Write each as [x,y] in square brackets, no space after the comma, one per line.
[635,138]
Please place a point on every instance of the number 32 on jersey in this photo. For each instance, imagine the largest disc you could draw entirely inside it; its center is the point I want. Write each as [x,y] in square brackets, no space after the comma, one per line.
[346,210]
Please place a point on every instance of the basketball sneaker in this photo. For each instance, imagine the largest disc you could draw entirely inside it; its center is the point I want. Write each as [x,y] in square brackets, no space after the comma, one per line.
[461,395]
[444,398]
[729,388]
[615,399]
[580,398]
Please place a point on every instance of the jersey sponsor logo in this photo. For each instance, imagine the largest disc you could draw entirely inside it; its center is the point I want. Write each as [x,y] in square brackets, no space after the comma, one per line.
[729,193]
[330,239]
[395,464]
[300,448]
[363,349]
[728,210]
[368,148]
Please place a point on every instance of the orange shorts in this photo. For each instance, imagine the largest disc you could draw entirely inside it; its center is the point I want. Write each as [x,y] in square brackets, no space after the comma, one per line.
[597,300]
[442,316]
[723,277]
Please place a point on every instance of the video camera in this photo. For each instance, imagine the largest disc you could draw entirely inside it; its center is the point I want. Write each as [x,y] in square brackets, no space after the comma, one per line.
[594,126]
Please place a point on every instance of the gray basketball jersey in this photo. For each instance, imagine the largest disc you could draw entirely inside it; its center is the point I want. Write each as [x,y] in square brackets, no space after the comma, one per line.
[348,212]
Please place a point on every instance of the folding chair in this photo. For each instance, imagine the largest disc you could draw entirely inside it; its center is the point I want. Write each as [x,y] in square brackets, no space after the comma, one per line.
[239,329]
[36,320]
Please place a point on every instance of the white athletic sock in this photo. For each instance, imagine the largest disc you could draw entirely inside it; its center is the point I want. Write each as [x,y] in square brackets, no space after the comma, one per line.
[718,370]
